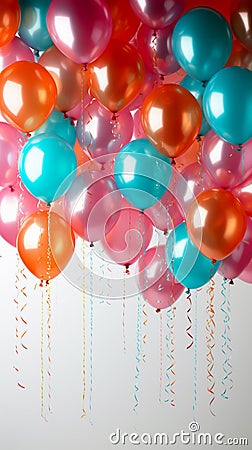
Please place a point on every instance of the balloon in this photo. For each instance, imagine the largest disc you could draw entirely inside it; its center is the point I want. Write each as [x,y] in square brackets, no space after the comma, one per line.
[9,20]
[100,135]
[90,205]
[45,244]
[240,56]
[125,22]
[33,29]
[246,274]
[81,156]
[141,173]
[192,182]
[189,157]
[232,266]
[188,265]
[216,223]
[16,50]
[27,95]
[165,214]
[80,29]
[47,166]
[117,76]
[129,237]
[171,119]
[241,22]
[227,89]
[68,76]
[157,14]
[223,7]
[244,193]
[197,90]
[138,132]
[150,80]
[15,204]
[11,142]
[222,161]
[200,32]
[157,51]
[158,286]
[58,125]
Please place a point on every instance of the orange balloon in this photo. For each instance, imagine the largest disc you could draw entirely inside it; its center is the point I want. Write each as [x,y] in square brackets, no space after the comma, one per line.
[44,257]
[117,76]
[216,223]
[189,157]
[125,22]
[9,20]
[81,156]
[69,77]
[171,118]
[27,95]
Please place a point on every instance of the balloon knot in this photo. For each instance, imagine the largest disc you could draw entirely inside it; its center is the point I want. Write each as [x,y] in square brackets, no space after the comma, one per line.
[239,149]
[36,53]
[85,67]
[165,232]
[154,33]
[204,83]
[41,284]
[162,77]
[114,116]
[157,310]
[65,115]
[72,121]
[198,138]
[28,134]
[91,244]
[11,188]
[103,166]
[49,204]
[231,282]
[188,292]
[173,162]
[127,269]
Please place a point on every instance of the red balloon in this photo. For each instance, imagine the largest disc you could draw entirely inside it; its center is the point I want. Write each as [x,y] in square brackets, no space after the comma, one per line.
[125,22]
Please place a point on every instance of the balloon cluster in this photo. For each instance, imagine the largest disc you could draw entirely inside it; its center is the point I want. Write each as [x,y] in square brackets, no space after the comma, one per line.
[128,116]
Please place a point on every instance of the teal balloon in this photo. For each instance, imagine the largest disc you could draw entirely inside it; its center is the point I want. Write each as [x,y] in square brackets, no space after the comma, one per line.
[60,126]
[47,166]
[197,90]
[227,104]
[142,173]
[189,266]
[33,29]
[202,42]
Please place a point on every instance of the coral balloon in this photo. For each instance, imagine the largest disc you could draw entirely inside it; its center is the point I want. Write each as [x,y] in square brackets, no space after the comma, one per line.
[11,142]
[15,204]
[222,160]
[200,32]
[216,222]
[157,284]
[33,29]
[159,13]
[129,237]
[189,157]
[228,88]
[197,90]
[27,95]
[100,135]
[117,76]
[9,20]
[171,119]
[244,193]
[125,22]
[90,204]
[240,56]
[80,29]
[68,76]
[16,50]
[241,22]
[166,213]
[45,244]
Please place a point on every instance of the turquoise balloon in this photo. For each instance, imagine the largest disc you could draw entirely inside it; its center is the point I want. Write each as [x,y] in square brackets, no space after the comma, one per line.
[33,29]
[227,104]
[190,267]
[47,166]
[60,126]
[142,173]
[197,90]
[202,42]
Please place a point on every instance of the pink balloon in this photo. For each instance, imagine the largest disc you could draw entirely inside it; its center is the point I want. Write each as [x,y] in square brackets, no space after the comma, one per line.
[157,51]
[75,112]
[233,266]
[223,161]
[192,180]
[150,81]
[90,204]
[138,131]
[158,286]
[246,274]
[15,204]
[11,142]
[16,50]
[244,193]
[166,214]
[157,13]
[129,237]
[100,135]
[80,29]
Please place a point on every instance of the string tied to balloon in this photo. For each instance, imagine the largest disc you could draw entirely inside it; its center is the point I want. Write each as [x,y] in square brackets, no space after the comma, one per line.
[189,328]
[226,349]
[210,328]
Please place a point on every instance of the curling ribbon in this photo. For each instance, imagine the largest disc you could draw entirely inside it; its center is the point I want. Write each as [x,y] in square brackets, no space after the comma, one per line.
[83,412]
[189,328]
[91,327]
[226,349]
[123,312]
[42,369]
[210,328]
[161,356]
[138,353]
[17,322]
[195,364]
[170,371]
